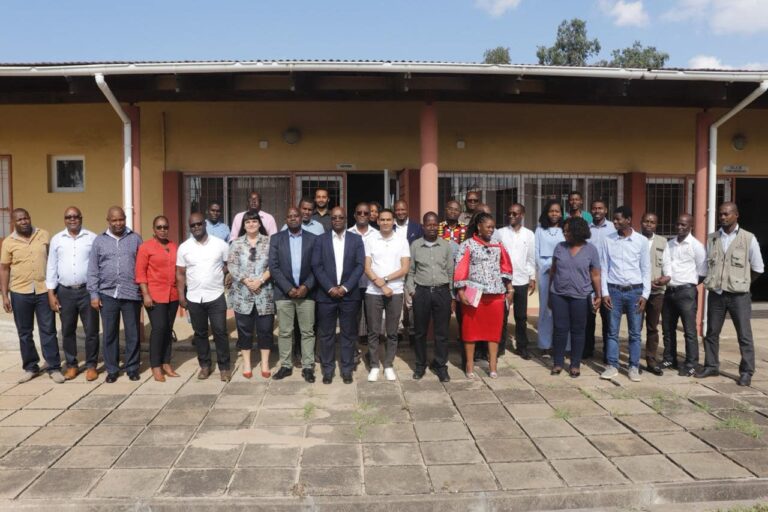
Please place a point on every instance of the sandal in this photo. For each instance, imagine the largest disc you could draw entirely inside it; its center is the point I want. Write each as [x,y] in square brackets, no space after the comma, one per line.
[556,370]
[470,375]
[248,374]
[266,375]
[494,375]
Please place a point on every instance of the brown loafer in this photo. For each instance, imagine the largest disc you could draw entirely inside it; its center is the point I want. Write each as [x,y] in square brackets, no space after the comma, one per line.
[169,371]
[70,373]
[204,373]
[157,373]
[91,374]
[226,376]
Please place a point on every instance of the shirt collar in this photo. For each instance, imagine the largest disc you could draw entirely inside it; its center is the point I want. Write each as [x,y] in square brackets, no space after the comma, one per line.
[437,241]
[109,233]
[628,237]
[292,235]
[339,236]
[19,237]
[732,233]
[603,225]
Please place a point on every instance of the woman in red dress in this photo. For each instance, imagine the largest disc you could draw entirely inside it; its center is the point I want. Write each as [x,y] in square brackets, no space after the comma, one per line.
[483,266]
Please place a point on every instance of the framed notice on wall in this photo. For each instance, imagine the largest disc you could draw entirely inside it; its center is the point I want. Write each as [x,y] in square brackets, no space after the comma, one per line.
[67,173]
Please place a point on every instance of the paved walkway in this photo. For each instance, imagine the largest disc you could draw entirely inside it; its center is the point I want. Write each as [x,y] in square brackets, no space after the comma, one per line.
[526,441]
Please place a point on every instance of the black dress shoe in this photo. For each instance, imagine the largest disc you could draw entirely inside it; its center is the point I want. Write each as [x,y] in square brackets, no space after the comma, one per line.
[111,377]
[706,372]
[134,375]
[656,370]
[347,378]
[442,375]
[418,374]
[309,375]
[687,372]
[669,364]
[745,380]
[282,373]
[327,379]
[523,353]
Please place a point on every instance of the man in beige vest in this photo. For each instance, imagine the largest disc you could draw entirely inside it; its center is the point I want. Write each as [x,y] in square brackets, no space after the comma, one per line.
[660,270]
[733,263]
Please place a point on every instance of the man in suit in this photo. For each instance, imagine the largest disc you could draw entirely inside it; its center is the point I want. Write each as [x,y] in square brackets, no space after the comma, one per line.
[290,258]
[337,262]
[404,228]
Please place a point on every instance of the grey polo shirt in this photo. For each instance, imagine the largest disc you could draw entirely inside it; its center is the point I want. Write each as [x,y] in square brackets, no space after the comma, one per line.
[431,264]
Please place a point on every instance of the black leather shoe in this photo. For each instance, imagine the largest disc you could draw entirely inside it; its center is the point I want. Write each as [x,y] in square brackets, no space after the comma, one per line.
[669,364]
[347,378]
[133,376]
[309,375]
[745,380]
[327,379]
[442,375]
[111,377]
[656,370]
[282,373]
[418,374]
[687,372]
[706,372]
[523,353]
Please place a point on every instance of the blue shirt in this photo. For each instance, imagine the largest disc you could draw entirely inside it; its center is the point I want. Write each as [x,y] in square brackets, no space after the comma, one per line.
[112,266]
[219,230]
[295,244]
[598,233]
[573,274]
[312,226]
[546,241]
[625,261]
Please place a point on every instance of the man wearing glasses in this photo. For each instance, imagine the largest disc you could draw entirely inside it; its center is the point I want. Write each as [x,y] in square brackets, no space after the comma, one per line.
[201,263]
[363,228]
[66,278]
[471,202]
[213,224]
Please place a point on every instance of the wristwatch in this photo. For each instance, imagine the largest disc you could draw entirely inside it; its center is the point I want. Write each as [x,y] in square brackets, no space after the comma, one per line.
[386,279]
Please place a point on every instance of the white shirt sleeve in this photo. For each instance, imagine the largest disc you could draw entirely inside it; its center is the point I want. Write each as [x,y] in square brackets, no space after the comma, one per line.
[405,249]
[530,258]
[755,257]
[700,258]
[51,271]
[666,262]
[180,252]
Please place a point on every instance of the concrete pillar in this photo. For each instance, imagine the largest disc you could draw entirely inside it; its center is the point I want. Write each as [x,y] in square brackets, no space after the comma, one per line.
[135,115]
[428,172]
[703,121]
[634,197]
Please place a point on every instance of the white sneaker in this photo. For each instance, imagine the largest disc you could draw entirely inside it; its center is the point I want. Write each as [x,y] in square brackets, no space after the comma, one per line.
[390,374]
[57,377]
[634,374]
[609,373]
[373,375]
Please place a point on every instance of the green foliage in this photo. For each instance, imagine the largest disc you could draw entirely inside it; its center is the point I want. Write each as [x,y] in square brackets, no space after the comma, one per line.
[572,46]
[744,425]
[637,56]
[498,55]
[562,413]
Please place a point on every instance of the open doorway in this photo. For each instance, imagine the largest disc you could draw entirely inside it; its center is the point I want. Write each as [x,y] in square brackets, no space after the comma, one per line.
[363,187]
[750,193]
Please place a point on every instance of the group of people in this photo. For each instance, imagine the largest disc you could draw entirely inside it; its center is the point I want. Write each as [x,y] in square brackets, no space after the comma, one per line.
[384,273]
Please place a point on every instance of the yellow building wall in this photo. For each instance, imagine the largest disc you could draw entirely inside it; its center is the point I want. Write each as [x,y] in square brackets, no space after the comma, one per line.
[224,137]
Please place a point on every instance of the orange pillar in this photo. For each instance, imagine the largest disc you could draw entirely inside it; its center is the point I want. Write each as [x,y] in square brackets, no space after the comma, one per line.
[634,197]
[428,173]
[703,121]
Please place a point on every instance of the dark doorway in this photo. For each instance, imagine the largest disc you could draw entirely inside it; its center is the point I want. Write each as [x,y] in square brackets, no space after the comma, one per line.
[363,187]
[750,192]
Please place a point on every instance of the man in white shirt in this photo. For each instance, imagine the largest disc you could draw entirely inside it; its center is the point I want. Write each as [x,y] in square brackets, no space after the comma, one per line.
[66,278]
[363,228]
[688,267]
[387,259]
[254,205]
[201,263]
[599,229]
[519,242]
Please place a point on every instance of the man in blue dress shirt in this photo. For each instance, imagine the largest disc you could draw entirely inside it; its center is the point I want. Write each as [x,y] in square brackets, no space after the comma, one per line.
[626,278]
[214,225]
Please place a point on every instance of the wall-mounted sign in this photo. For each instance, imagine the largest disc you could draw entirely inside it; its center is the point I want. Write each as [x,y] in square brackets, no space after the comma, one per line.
[345,167]
[736,169]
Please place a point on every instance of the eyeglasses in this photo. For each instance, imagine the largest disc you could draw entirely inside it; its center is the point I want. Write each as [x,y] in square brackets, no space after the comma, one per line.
[362,213]
[215,209]
[72,217]
[473,200]
[195,224]
[252,257]
[161,226]
[338,217]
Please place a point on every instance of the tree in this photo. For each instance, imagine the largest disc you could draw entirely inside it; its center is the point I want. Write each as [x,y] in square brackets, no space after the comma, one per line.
[637,56]
[498,55]
[571,48]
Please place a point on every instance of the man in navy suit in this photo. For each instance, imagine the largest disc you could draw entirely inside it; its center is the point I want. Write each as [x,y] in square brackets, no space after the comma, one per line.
[290,258]
[403,226]
[337,262]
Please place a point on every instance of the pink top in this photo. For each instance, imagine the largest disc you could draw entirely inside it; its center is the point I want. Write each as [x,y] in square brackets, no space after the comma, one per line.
[266,219]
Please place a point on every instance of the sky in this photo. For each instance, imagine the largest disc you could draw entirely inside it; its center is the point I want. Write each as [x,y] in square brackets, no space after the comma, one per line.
[695,33]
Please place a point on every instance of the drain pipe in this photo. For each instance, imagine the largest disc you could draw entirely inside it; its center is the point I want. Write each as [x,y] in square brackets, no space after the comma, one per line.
[127,148]
[712,176]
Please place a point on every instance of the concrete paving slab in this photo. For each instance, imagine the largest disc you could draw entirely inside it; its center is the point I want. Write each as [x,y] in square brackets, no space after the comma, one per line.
[393,480]
[694,421]
[755,461]
[622,445]
[134,417]
[149,457]
[111,435]
[462,478]
[389,433]
[229,417]
[551,427]
[90,457]
[650,468]
[586,472]
[442,431]
[555,448]
[473,413]
[266,456]
[333,481]
[561,394]
[122,387]
[577,408]
[200,483]
[11,436]
[31,457]
[154,402]
[80,417]
[335,416]
[532,410]
[451,452]
[263,482]
[179,417]
[335,433]
[709,465]
[509,450]
[99,401]
[220,456]
[244,388]
[13,481]
[63,483]
[518,396]
[619,407]
[515,476]
[161,435]
[496,429]
[129,483]
[193,386]
[57,436]
[332,455]
[729,440]
[187,402]
[597,425]
[392,454]
[15,401]
[427,397]
[475,396]
[434,412]
[718,402]
[676,442]
[643,423]
[30,418]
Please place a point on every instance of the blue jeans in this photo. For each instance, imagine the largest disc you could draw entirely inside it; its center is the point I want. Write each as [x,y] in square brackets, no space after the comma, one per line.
[545,326]
[625,302]
[27,306]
